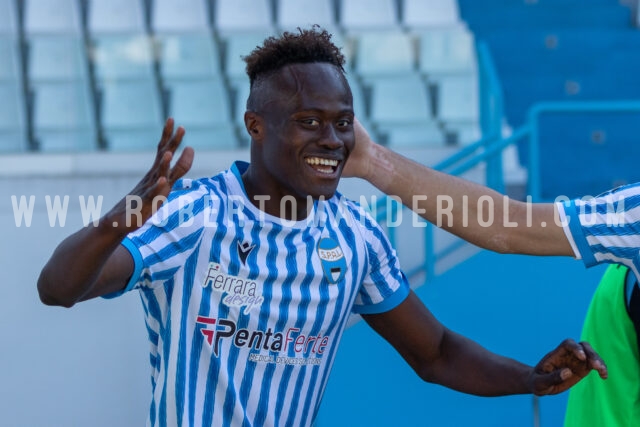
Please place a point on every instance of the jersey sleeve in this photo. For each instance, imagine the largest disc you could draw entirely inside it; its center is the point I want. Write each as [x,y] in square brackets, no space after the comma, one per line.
[385,286]
[160,247]
[606,228]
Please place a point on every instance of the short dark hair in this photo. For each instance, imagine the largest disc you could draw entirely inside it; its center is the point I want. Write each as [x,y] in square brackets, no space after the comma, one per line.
[305,46]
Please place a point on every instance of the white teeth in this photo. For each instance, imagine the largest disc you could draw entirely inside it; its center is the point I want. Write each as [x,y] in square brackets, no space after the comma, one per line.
[320,161]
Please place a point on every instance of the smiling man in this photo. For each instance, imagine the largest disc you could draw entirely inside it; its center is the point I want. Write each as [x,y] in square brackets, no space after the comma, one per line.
[245,297]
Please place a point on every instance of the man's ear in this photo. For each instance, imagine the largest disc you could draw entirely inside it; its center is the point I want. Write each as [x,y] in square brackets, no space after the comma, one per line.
[254,124]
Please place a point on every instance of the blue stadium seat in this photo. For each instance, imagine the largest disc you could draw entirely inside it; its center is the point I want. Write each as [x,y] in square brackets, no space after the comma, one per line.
[420,14]
[447,51]
[384,53]
[237,46]
[360,105]
[458,99]
[240,101]
[537,15]
[118,57]
[116,16]
[218,138]
[243,16]
[13,135]
[359,15]
[64,117]
[8,18]
[57,58]
[52,17]
[414,136]
[400,100]
[304,13]
[607,142]
[401,110]
[172,16]
[10,54]
[203,108]
[189,56]
[131,115]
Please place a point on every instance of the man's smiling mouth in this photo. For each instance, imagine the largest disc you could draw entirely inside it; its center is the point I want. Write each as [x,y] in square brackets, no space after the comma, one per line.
[327,166]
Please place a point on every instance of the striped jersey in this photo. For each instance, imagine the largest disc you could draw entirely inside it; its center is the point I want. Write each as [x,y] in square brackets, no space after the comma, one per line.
[245,311]
[605,229]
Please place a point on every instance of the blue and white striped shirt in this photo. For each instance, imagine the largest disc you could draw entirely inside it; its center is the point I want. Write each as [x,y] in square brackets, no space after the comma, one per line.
[244,310]
[605,229]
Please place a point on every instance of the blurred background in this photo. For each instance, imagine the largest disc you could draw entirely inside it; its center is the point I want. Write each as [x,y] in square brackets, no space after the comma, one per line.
[536,98]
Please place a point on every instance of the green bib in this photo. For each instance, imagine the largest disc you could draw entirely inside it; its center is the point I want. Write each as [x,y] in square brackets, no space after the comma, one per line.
[615,401]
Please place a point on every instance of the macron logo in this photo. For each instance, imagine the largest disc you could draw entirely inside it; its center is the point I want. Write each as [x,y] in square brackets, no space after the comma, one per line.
[244,250]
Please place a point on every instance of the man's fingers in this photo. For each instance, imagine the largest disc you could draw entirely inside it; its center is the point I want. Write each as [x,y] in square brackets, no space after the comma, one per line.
[183,164]
[167,131]
[176,139]
[595,361]
[574,348]
[165,163]
[553,382]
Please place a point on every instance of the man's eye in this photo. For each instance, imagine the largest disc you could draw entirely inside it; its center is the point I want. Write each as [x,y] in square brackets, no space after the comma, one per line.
[344,123]
[311,122]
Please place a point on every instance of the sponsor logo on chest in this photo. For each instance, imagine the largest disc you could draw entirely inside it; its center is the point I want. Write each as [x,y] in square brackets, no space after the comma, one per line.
[238,291]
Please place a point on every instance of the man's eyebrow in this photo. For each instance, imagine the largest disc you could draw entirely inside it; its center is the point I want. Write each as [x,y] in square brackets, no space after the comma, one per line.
[323,110]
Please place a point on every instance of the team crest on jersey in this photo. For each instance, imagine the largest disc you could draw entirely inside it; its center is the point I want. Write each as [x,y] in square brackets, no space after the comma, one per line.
[332,259]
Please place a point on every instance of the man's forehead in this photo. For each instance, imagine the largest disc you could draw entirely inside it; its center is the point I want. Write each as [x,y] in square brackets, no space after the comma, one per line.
[290,85]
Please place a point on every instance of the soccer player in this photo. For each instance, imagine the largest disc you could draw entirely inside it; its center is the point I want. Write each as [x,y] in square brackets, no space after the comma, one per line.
[605,229]
[248,278]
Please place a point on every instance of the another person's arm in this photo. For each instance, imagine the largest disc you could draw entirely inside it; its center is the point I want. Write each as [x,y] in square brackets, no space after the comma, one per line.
[441,356]
[92,262]
[538,232]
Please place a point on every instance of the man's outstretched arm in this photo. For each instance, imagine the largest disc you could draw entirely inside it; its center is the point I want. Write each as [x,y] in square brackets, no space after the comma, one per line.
[431,194]
[441,356]
[91,262]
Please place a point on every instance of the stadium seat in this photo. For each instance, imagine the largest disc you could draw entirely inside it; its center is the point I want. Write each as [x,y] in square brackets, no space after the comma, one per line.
[171,16]
[52,17]
[458,99]
[188,56]
[418,14]
[384,53]
[12,118]
[447,51]
[203,108]
[400,100]
[57,58]
[358,15]
[243,16]
[131,115]
[238,46]
[211,138]
[464,133]
[413,135]
[118,57]
[116,16]
[8,18]
[64,117]
[10,54]
[241,94]
[304,13]
[360,107]
[200,103]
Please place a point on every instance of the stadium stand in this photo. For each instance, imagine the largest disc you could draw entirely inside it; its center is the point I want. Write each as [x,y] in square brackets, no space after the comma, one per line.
[179,16]
[157,49]
[565,50]
[52,17]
